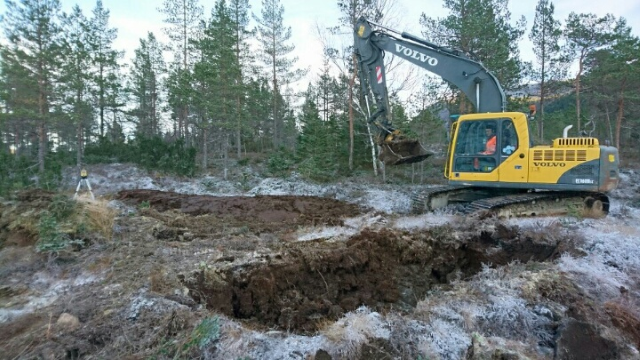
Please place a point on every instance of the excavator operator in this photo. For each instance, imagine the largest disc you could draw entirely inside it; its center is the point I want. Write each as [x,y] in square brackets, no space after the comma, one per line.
[490,146]
[490,149]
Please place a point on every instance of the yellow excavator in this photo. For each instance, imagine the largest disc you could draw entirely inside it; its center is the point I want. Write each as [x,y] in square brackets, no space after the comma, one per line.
[492,165]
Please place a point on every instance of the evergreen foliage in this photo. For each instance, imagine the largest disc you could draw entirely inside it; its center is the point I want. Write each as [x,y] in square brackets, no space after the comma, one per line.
[151,153]
[145,85]
[545,35]
[64,101]
[273,37]
[20,171]
[482,30]
[184,20]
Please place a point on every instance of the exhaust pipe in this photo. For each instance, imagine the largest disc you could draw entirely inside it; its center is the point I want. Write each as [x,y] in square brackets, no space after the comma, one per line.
[565,132]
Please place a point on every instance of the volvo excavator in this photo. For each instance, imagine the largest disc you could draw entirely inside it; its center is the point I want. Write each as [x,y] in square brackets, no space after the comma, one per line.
[492,165]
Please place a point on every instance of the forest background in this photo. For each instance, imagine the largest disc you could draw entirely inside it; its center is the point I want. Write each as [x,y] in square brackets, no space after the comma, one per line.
[225,87]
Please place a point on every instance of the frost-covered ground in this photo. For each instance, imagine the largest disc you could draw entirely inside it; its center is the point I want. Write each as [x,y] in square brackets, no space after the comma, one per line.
[494,303]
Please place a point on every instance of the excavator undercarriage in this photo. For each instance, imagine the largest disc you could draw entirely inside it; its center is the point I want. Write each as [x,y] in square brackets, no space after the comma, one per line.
[506,203]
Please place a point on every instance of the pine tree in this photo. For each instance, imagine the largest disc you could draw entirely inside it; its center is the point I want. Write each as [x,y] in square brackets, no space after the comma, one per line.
[585,33]
[216,76]
[239,13]
[76,79]
[317,150]
[545,35]
[613,80]
[145,84]
[105,61]
[481,29]
[273,36]
[184,18]
[258,108]
[17,89]
[34,34]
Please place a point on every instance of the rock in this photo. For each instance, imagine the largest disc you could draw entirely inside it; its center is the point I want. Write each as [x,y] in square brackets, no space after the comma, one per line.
[67,322]
[322,355]
[484,349]
[582,341]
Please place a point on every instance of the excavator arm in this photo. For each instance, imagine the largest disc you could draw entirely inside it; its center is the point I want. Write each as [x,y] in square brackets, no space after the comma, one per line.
[471,77]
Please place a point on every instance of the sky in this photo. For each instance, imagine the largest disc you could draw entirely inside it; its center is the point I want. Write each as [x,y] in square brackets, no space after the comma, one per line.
[134,18]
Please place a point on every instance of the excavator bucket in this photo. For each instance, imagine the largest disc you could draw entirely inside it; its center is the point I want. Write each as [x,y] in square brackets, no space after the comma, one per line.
[400,150]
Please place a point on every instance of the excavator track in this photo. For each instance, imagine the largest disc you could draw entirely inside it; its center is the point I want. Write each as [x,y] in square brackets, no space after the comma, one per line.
[549,203]
[432,199]
[544,203]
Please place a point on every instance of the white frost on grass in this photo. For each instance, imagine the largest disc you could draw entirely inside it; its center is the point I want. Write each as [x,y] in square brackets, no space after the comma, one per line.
[331,232]
[274,186]
[351,227]
[341,340]
[424,221]
[387,201]
[238,342]
[448,339]
[347,335]
[612,260]
[46,291]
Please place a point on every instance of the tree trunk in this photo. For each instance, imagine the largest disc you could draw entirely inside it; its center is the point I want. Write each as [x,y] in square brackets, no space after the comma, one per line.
[374,161]
[42,131]
[42,140]
[16,141]
[542,93]
[351,137]
[101,100]
[204,149]
[275,106]
[239,129]
[620,115]
[578,83]
[80,144]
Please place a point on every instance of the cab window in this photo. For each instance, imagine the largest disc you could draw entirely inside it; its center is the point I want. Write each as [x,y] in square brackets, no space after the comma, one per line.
[476,146]
[509,138]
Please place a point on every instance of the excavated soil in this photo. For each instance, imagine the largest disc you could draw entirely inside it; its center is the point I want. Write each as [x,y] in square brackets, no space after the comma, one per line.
[306,284]
[259,213]
[299,285]
[240,256]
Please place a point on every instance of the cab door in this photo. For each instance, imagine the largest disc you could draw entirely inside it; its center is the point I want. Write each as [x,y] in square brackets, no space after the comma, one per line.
[469,162]
[514,149]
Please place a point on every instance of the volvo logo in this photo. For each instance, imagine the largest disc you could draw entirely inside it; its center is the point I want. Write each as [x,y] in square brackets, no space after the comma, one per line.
[415,54]
[549,164]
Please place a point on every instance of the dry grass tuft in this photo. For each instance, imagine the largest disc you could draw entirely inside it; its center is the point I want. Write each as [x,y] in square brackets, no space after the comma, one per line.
[99,216]
[355,329]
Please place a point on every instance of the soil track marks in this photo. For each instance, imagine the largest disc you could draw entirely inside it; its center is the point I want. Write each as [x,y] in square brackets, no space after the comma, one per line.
[272,212]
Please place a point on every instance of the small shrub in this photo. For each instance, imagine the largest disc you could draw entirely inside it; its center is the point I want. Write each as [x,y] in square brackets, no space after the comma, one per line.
[62,207]
[204,334]
[244,162]
[280,162]
[209,184]
[244,181]
[144,205]
[50,237]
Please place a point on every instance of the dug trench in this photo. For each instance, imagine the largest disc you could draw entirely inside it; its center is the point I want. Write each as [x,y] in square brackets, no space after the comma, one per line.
[299,285]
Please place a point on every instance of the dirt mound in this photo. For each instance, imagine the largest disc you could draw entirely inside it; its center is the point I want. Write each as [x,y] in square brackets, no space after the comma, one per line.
[285,210]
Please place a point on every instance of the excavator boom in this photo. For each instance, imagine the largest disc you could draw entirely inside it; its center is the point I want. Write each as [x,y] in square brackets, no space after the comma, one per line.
[470,76]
